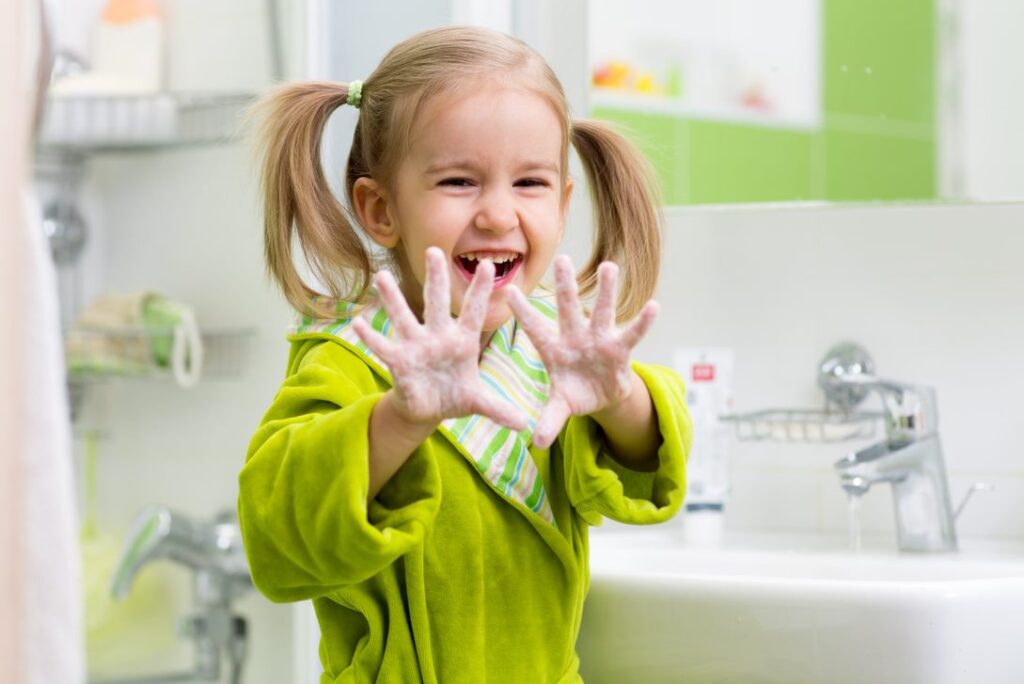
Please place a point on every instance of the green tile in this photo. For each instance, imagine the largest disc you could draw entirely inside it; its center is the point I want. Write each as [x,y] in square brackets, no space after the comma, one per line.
[737,163]
[872,166]
[880,58]
[659,137]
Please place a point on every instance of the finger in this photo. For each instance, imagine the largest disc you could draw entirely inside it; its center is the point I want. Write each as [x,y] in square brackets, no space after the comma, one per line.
[603,317]
[394,303]
[635,331]
[570,316]
[378,344]
[487,403]
[474,306]
[437,293]
[550,423]
[537,327]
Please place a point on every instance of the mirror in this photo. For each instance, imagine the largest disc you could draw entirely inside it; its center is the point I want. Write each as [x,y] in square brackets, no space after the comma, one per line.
[741,101]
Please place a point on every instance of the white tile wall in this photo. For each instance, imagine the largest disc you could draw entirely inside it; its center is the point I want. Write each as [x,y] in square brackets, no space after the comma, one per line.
[186,224]
[935,293]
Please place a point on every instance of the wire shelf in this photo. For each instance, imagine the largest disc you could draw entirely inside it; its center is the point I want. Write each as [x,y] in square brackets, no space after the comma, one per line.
[804,425]
[96,354]
[94,123]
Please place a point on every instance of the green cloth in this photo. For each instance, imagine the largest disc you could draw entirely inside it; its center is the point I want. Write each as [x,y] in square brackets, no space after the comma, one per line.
[438,579]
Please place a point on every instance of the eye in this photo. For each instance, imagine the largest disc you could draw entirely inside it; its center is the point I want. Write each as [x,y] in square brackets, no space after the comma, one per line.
[532,183]
[456,182]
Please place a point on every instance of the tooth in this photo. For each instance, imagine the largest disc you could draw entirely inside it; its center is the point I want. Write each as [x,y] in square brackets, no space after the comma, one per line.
[496,257]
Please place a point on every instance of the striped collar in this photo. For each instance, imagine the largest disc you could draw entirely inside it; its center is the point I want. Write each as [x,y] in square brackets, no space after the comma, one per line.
[510,366]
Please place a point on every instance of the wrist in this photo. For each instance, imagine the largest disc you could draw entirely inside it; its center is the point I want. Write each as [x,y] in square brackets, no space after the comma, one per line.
[405,426]
[392,439]
[617,409]
[631,428]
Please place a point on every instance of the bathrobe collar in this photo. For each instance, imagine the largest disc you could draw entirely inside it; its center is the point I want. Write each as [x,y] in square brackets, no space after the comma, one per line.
[510,366]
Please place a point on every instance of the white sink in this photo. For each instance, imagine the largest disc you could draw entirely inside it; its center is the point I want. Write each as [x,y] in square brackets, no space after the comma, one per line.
[799,611]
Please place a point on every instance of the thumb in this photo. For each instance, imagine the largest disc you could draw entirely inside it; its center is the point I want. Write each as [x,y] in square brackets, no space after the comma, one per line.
[486,403]
[551,421]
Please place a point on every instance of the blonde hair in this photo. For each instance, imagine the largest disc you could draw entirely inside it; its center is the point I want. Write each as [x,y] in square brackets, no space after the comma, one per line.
[299,205]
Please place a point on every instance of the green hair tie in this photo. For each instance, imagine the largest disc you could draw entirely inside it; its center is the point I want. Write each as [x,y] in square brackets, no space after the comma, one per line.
[355,93]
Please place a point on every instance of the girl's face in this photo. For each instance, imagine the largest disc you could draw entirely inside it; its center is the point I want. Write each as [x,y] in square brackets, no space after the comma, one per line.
[482,179]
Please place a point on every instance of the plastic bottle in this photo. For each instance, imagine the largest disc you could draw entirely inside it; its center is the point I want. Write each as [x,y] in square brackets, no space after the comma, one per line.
[709,394]
[128,45]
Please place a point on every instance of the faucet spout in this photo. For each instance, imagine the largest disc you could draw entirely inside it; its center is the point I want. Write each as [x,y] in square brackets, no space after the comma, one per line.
[213,551]
[157,533]
[916,471]
[854,485]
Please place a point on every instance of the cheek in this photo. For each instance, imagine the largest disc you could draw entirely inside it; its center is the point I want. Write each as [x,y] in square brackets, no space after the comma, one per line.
[544,240]
[546,220]
[443,205]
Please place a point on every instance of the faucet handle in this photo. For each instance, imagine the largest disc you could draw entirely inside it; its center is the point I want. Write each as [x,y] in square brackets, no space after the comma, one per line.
[976,487]
[839,372]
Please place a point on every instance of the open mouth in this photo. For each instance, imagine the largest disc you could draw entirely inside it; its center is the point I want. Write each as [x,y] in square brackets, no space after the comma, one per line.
[506,264]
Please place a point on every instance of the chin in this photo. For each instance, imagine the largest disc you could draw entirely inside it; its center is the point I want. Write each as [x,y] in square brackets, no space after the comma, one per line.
[497,315]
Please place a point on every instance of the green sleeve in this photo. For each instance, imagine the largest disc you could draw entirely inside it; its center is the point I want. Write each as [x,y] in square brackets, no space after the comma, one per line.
[302,503]
[599,486]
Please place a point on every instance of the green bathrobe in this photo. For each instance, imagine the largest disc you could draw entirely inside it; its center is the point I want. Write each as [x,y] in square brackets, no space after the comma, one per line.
[466,567]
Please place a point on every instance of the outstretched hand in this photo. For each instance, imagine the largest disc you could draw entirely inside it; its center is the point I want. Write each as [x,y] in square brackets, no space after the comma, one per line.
[587,362]
[435,365]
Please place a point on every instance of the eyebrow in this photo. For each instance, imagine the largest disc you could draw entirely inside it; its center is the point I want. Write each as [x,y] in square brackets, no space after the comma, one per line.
[448,165]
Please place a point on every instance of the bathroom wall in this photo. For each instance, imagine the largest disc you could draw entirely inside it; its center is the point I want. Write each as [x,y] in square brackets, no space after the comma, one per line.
[934,292]
[184,223]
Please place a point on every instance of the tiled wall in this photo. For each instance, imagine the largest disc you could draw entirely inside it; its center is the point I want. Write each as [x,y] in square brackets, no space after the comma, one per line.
[158,224]
[934,292]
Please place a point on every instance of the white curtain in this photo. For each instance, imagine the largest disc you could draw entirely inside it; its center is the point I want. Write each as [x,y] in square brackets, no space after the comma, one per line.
[41,638]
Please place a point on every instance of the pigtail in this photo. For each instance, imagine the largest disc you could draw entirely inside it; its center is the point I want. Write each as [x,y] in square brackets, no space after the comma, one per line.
[298,201]
[628,225]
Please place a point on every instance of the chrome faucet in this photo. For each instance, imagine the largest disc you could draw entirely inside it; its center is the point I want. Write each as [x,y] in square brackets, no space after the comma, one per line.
[214,552]
[909,458]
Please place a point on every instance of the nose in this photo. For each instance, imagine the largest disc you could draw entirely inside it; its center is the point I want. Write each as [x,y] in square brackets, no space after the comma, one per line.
[496,212]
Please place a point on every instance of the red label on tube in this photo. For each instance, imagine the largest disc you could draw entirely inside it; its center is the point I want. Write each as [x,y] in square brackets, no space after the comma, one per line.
[703,372]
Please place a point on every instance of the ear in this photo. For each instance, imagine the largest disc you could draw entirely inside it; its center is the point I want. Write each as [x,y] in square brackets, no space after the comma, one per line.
[570,185]
[371,206]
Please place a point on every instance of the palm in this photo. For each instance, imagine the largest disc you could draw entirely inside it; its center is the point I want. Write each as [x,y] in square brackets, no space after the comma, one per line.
[587,361]
[587,377]
[435,365]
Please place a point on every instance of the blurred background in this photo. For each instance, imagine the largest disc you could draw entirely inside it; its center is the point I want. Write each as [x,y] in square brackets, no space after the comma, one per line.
[831,169]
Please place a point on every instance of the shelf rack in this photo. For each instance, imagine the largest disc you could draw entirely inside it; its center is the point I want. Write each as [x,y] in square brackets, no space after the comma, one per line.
[98,354]
[804,425]
[76,128]
[90,124]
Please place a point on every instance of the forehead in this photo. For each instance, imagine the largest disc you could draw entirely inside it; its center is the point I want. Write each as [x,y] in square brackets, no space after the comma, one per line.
[490,124]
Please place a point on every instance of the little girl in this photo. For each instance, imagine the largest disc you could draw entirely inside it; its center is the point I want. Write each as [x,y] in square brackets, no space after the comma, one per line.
[429,469]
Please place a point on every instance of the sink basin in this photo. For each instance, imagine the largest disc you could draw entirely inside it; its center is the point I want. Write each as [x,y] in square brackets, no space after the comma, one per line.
[799,611]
